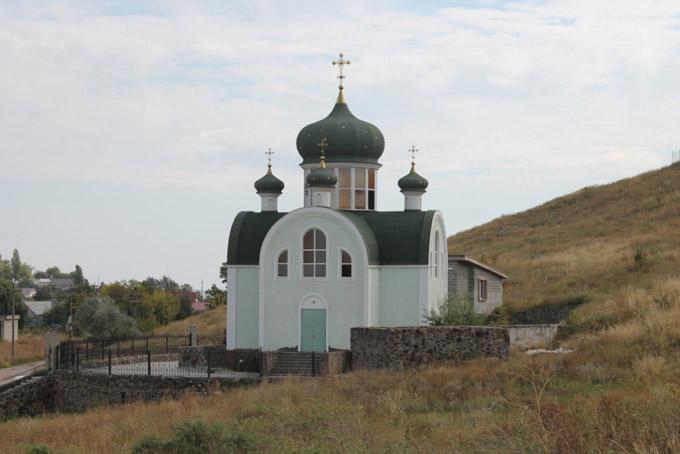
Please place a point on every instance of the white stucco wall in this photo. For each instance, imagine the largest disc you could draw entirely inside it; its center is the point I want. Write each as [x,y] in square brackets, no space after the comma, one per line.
[438,285]
[242,307]
[280,299]
[400,294]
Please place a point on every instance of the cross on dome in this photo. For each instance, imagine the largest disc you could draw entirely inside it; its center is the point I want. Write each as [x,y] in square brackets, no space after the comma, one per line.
[413,150]
[322,145]
[341,62]
[269,154]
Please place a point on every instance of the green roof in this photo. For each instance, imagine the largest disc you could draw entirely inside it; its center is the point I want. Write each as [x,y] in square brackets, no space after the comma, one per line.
[349,139]
[391,237]
[246,236]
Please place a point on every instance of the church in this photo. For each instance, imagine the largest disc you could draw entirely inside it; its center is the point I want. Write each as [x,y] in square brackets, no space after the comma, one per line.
[302,279]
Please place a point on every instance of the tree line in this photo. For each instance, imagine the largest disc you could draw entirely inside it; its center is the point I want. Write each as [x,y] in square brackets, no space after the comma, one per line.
[120,308]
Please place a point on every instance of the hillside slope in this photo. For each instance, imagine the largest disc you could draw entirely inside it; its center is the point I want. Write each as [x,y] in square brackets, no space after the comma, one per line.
[592,244]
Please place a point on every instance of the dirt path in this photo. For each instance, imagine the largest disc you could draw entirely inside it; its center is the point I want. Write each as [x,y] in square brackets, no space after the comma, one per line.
[13,373]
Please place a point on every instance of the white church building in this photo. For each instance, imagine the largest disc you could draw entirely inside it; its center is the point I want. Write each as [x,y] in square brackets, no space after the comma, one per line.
[302,279]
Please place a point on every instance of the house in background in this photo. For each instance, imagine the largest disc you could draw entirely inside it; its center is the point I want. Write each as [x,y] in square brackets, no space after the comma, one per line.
[481,283]
[36,309]
[28,292]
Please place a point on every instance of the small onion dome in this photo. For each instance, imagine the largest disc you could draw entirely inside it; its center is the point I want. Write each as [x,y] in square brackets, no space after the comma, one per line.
[269,184]
[413,182]
[350,139]
[321,177]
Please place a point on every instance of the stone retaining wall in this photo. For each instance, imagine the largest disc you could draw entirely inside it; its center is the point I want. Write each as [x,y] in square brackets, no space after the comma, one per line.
[63,391]
[542,315]
[375,348]
[531,336]
[30,397]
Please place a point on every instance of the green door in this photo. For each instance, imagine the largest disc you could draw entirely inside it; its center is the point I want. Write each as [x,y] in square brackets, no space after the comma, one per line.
[313,331]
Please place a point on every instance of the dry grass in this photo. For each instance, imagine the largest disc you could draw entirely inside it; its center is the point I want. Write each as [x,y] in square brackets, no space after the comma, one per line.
[27,349]
[522,405]
[586,242]
[211,321]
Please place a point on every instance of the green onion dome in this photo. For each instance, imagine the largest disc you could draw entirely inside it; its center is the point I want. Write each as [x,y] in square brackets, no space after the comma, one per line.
[412,181]
[321,177]
[349,139]
[269,184]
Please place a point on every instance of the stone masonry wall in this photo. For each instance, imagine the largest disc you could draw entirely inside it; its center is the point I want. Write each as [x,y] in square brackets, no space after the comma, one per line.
[63,391]
[30,397]
[376,348]
[542,315]
[78,392]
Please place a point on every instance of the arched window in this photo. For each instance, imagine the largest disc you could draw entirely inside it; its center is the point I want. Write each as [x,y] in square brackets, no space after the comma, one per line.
[436,254]
[314,254]
[282,264]
[345,265]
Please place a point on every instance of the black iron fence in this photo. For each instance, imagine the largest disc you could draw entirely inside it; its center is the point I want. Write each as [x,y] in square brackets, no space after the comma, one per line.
[165,355]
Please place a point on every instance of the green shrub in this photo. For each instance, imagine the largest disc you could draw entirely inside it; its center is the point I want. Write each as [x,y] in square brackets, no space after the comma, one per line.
[454,311]
[194,437]
[40,449]
[500,316]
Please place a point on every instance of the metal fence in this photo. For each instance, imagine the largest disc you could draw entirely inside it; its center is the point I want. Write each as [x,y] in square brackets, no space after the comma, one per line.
[148,355]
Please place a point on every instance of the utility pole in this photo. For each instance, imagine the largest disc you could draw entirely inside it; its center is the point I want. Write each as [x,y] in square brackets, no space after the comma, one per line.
[13,315]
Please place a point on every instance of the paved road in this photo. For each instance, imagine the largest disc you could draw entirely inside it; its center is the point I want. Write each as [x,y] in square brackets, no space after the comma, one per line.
[13,373]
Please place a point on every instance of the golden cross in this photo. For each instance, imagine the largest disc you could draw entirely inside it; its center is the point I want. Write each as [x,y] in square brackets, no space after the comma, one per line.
[323,144]
[269,154]
[341,62]
[413,151]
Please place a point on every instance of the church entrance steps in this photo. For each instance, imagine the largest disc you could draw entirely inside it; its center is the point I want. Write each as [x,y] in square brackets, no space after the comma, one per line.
[296,363]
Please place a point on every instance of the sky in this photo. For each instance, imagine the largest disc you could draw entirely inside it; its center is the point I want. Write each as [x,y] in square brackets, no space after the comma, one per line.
[131,132]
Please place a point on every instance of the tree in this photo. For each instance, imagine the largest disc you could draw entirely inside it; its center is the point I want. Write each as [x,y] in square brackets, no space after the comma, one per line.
[20,308]
[15,263]
[55,272]
[186,288]
[43,293]
[57,314]
[100,317]
[120,293]
[77,275]
[454,311]
[41,275]
[215,297]
[19,270]
[223,273]
[185,308]
[165,306]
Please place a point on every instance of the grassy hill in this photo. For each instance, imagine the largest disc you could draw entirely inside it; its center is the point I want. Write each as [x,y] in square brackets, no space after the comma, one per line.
[596,243]
[212,321]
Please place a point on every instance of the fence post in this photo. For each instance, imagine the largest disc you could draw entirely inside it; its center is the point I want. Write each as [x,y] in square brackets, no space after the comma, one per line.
[147,343]
[148,361]
[133,346]
[193,336]
[208,351]
[87,350]
[313,372]
[166,344]
[73,354]
[77,359]
[118,350]
[109,362]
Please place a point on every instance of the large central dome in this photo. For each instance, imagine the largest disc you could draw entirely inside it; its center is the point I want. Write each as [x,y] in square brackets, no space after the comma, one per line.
[350,140]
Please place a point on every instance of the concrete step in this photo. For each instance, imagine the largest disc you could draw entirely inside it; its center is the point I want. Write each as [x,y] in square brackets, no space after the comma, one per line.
[295,363]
